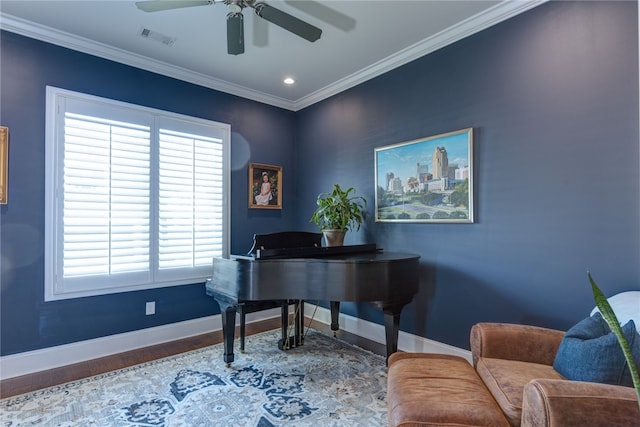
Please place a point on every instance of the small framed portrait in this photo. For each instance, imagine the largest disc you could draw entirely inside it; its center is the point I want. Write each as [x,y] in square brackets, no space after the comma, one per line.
[265,186]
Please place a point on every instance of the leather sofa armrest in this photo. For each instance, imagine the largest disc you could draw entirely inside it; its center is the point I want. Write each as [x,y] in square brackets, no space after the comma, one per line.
[524,343]
[558,403]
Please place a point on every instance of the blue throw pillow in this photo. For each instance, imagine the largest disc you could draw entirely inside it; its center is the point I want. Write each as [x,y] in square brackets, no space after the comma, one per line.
[590,352]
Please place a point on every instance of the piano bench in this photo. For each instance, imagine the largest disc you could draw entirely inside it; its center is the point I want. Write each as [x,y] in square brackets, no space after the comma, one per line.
[425,389]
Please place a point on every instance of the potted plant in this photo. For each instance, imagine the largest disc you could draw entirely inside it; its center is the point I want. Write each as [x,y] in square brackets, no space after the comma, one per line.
[612,320]
[337,212]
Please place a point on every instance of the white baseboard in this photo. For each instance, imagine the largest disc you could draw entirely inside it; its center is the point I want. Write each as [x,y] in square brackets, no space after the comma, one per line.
[375,332]
[54,357]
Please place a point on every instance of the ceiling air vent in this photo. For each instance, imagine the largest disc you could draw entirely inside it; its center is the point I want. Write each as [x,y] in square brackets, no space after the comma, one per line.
[154,35]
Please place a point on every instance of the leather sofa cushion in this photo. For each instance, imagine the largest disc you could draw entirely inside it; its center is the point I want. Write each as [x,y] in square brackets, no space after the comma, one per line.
[506,379]
[426,389]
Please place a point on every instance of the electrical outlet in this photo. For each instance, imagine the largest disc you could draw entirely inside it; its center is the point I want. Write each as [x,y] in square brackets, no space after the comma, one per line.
[150,308]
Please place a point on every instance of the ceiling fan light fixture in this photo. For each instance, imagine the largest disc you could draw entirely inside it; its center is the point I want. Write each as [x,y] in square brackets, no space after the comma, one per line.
[235,8]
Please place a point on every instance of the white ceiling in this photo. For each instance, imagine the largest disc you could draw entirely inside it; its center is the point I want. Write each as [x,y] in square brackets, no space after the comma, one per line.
[360,40]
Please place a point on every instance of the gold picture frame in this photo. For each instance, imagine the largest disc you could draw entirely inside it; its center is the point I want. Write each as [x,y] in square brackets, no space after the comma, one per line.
[4,164]
[265,186]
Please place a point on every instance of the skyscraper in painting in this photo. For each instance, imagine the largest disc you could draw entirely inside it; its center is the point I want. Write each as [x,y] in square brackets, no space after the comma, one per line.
[440,163]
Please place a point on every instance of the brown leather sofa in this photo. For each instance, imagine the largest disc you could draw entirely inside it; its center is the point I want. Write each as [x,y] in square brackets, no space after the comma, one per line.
[513,373]
[516,364]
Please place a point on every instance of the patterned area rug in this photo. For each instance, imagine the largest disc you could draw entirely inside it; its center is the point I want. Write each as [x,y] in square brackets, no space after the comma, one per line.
[325,382]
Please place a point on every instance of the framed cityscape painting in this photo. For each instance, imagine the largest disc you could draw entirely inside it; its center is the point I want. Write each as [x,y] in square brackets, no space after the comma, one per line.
[426,180]
[265,186]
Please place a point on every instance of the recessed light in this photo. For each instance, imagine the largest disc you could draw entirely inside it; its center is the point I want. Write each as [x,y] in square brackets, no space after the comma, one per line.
[289,81]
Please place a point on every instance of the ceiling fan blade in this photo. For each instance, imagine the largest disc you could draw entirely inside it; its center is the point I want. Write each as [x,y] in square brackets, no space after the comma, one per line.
[235,33]
[324,13]
[288,22]
[158,5]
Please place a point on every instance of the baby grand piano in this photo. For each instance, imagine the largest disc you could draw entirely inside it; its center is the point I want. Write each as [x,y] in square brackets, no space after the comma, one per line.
[284,274]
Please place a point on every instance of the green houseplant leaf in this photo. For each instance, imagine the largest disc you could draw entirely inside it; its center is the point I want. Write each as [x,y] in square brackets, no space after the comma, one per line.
[608,315]
[339,209]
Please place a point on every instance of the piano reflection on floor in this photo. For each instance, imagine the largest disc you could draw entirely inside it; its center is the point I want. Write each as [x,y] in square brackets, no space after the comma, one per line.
[291,267]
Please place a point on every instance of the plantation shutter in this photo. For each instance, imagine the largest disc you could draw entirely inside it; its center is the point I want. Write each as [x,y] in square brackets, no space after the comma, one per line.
[135,198]
[106,218]
[190,199]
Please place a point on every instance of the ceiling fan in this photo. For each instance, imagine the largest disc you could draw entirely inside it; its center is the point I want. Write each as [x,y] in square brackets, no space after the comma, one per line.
[235,27]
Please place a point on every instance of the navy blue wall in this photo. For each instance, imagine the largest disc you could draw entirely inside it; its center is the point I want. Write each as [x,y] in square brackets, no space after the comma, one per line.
[260,133]
[552,96]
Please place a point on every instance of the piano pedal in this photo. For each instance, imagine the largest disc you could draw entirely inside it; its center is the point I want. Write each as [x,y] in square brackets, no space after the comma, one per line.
[290,343]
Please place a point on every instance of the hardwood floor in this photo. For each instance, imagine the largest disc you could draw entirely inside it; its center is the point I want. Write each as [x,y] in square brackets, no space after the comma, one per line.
[31,382]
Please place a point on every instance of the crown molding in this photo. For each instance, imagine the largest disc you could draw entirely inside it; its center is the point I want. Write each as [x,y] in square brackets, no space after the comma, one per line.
[60,38]
[492,16]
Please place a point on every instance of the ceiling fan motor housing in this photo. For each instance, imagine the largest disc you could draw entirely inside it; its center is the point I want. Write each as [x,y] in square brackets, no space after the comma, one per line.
[235,33]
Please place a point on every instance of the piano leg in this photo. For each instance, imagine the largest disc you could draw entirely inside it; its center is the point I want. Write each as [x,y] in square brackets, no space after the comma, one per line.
[299,319]
[391,328]
[283,344]
[335,312]
[243,326]
[228,331]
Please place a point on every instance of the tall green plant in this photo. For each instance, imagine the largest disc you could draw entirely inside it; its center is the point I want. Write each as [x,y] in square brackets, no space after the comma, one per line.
[338,210]
[614,324]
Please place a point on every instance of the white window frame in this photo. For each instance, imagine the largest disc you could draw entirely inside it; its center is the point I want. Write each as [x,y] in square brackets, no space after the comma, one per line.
[56,289]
